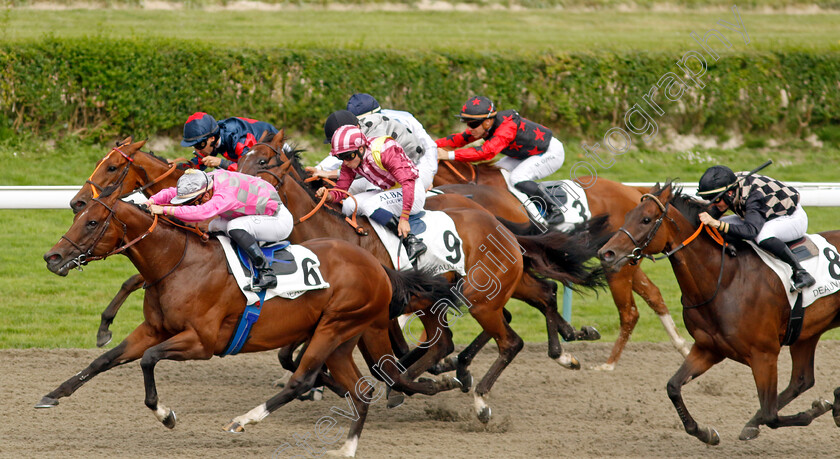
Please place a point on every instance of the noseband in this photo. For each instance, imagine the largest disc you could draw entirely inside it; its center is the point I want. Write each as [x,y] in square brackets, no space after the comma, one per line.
[637,254]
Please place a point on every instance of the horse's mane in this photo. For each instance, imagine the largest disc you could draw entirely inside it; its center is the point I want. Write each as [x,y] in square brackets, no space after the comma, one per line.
[688,206]
[296,159]
[153,155]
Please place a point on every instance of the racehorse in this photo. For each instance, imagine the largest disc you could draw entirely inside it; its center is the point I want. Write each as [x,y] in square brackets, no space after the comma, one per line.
[735,308]
[605,197]
[135,171]
[474,226]
[191,308]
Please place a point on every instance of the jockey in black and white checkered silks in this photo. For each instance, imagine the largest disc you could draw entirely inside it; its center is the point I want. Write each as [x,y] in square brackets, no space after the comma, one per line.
[766,211]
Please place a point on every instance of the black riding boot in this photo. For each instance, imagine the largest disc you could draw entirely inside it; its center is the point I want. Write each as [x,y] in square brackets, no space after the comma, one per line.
[413,247]
[553,212]
[264,276]
[801,278]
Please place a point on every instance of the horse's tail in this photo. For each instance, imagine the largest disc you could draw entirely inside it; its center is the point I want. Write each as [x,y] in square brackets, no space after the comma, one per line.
[565,256]
[413,283]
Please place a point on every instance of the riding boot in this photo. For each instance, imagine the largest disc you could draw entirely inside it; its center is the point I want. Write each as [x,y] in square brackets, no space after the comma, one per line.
[264,276]
[801,278]
[553,212]
[413,247]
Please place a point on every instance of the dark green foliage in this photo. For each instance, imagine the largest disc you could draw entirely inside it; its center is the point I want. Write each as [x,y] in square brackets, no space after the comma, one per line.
[101,89]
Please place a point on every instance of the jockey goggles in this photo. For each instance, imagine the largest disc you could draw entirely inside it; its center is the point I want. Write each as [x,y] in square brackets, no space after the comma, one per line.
[347,155]
[473,124]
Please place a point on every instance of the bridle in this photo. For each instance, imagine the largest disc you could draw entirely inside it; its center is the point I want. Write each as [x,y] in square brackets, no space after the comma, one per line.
[85,256]
[637,254]
[97,189]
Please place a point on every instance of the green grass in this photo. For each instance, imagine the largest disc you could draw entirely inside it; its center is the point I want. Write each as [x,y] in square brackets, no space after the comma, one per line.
[483,31]
[40,309]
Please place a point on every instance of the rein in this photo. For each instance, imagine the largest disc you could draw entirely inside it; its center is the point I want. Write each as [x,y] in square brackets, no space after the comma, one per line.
[448,164]
[637,254]
[149,182]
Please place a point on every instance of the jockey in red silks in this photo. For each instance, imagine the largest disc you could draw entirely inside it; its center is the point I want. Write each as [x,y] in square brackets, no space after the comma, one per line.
[384,163]
[246,208]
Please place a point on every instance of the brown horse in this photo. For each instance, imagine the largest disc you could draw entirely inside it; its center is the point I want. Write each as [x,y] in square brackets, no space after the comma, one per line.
[734,308]
[605,197]
[191,309]
[475,226]
[135,171]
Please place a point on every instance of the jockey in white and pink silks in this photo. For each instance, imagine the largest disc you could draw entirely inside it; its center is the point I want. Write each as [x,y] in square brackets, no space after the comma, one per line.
[383,163]
[246,208]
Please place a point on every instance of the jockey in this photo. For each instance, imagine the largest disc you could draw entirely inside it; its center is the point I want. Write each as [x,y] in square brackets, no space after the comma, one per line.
[231,138]
[767,212]
[531,151]
[376,125]
[384,163]
[247,208]
[418,145]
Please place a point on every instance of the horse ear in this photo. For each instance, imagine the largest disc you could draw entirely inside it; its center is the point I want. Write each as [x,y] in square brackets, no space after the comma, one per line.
[136,146]
[124,142]
[655,188]
[279,138]
[667,192]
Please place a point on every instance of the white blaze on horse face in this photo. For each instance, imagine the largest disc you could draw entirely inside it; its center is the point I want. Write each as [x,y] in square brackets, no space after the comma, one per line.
[348,450]
[252,417]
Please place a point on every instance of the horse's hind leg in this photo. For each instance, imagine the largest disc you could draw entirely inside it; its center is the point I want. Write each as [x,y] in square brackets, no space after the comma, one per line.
[132,347]
[542,295]
[621,288]
[103,335]
[697,362]
[764,367]
[347,375]
[653,297]
[801,379]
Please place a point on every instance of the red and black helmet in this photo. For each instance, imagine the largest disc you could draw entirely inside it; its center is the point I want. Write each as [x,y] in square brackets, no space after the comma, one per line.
[477,108]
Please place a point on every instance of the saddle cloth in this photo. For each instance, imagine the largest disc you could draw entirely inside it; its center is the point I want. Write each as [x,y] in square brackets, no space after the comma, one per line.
[825,267]
[569,194]
[437,230]
[306,276]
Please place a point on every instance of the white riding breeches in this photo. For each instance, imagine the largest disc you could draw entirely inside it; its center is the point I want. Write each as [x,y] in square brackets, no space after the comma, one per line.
[788,228]
[537,166]
[267,228]
[390,200]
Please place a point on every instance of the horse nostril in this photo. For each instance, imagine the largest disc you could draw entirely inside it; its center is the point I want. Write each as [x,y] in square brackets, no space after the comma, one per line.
[51,257]
[608,255]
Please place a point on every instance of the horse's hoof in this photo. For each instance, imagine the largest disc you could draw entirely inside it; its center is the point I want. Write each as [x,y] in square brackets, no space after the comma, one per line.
[748,433]
[484,415]
[47,402]
[103,338]
[169,420]
[465,380]
[712,437]
[395,399]
[234,427]
[821,406]
[589,334]
[568,361]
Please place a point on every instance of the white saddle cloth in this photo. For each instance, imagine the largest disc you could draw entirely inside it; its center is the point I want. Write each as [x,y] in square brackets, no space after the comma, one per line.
[575,210]
[825,267]
[444,252]
[307,276]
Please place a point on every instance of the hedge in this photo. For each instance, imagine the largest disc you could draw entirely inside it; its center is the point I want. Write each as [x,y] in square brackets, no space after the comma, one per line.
[101,89]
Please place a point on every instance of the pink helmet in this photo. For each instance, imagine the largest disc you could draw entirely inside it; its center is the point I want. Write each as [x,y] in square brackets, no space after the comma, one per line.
[347,138]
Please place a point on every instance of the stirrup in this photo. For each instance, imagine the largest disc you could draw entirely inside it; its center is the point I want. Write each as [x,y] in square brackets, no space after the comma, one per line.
[801,279]
[414,248]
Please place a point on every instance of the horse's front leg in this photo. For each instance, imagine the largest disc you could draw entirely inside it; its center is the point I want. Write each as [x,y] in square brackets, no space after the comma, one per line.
[183,346]
[765,373]
[103,335]
[697,362]
[801,379]
[142,338]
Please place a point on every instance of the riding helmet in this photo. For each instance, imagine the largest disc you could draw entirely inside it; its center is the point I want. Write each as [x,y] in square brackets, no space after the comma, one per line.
[715,180]
[198,127]
[336,120]
[362,104]
[477,108]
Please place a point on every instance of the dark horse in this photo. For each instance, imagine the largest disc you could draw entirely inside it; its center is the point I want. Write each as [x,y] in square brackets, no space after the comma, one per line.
[605,197]
[191,308]
[733,307]
[493,276]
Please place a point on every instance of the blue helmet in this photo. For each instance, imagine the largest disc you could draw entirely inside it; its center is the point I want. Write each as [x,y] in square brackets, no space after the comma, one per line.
[198,127]
[362,104]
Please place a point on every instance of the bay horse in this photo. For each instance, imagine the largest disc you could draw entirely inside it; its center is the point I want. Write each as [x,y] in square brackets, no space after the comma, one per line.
[605,197]
[192,306]
[735,308]
[518,277]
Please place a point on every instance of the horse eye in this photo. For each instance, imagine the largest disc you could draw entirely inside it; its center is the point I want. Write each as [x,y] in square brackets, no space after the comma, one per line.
[646,220]
[92,224]
[112,168]
[263,162]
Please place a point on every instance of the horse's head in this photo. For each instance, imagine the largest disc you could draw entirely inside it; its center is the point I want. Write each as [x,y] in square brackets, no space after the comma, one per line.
[112,169]
[642,233]
[94,233]
[265,154]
